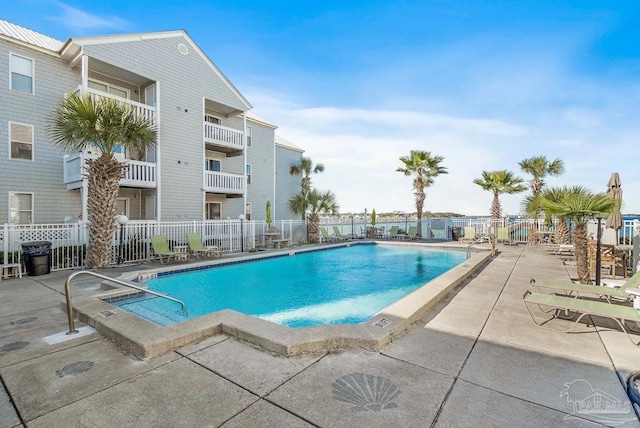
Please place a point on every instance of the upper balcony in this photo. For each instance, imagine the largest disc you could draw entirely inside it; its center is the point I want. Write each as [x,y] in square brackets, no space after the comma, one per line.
[232,185]
[146,111]
[137,174]
[222,139]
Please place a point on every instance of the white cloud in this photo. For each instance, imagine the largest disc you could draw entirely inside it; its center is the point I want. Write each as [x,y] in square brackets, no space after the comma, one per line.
[80,21]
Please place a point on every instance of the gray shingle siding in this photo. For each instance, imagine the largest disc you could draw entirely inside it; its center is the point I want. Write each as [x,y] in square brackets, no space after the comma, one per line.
[261,156]
[43,176]
[286,184]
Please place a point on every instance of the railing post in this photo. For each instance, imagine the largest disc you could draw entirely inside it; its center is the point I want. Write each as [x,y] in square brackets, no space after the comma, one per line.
[5,245]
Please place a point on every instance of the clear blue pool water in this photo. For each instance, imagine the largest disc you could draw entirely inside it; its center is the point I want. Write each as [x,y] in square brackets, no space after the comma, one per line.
[339,286]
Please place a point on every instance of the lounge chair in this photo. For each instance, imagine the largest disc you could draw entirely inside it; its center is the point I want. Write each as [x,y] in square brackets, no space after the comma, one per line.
[196,247]
[504,236]
[393,232]
[578,290]
[469,234]
[325,235]
[161,249]
[338,234]
[563,305]
[412,233]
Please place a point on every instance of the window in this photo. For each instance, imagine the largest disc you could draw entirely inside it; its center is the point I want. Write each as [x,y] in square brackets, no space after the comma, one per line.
[213,210]
[249,133]
[109,89]
[20,208]
[21,137]
[211,119]
[248,173]
[123,206]
[212,165]
[21,74]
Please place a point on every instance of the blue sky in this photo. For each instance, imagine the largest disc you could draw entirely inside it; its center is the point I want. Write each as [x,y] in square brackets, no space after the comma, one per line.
[358,84]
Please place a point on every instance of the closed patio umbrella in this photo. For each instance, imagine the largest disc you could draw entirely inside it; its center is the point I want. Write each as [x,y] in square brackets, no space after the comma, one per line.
[614,220]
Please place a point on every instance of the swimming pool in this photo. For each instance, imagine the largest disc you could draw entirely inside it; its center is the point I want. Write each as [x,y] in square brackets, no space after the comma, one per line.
[339,286]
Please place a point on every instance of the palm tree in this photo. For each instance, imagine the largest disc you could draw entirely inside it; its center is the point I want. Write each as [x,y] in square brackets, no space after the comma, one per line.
[83,121]
[424,167]
[579,205]
[315,203]
[305,168]
[539,167]
[531,205]
[499,182]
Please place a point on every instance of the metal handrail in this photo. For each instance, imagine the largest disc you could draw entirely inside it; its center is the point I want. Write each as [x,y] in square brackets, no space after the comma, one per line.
[67,293]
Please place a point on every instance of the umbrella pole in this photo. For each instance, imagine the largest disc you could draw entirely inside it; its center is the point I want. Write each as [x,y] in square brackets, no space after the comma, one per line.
[598,248]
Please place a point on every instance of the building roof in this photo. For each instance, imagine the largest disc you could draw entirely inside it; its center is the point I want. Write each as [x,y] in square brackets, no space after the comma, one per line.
[287,144]
[29,36]
[255,118]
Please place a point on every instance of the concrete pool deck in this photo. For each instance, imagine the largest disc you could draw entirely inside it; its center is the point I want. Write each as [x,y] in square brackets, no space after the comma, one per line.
[475,359]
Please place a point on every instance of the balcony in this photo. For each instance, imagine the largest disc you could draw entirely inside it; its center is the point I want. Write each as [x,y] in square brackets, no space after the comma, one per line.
[138,174]
[223,139]
[139,109]
[232,185]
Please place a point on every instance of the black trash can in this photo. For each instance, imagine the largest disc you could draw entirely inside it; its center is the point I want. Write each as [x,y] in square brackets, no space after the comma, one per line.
[37,257]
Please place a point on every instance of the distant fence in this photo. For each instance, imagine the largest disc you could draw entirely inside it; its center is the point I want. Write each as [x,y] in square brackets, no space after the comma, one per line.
[132,241]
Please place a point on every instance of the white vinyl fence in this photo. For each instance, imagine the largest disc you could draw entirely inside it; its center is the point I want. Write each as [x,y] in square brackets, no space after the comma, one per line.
[132,241]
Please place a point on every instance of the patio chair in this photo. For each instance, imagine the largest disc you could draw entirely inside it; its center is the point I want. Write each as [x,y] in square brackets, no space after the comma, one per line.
[564,305]
[196,247]
[608,258]
[338,235]
[469,234]
[393,232]
[325,235]
[578,290]
[161,249]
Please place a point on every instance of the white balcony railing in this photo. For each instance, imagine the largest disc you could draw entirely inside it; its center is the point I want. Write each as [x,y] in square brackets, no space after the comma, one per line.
[139,108]
[223,182]
[223,136]
[137,173]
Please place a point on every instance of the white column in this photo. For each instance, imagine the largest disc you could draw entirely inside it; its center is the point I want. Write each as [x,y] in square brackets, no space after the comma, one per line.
[244,172]
[84,196]
[85,72]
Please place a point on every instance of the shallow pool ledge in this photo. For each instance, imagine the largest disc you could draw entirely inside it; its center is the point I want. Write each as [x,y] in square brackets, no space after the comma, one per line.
[145,340]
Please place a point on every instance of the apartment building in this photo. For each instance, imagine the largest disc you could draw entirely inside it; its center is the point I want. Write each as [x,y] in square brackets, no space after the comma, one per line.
[213,158]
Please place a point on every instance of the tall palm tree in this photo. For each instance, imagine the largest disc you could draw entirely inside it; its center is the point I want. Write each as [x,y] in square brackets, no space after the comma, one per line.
[579,205]
[498,183]
[305,168]
[82,121]
[314,204]
[540,167]
[424,167]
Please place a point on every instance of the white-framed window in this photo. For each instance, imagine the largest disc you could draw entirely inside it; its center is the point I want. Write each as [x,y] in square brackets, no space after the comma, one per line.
[21,141]
[212,165]
[213,210]
[249,134]
[211,119]
[247,211]
[248,173]
[20,207]
[109,88]
[21,73]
